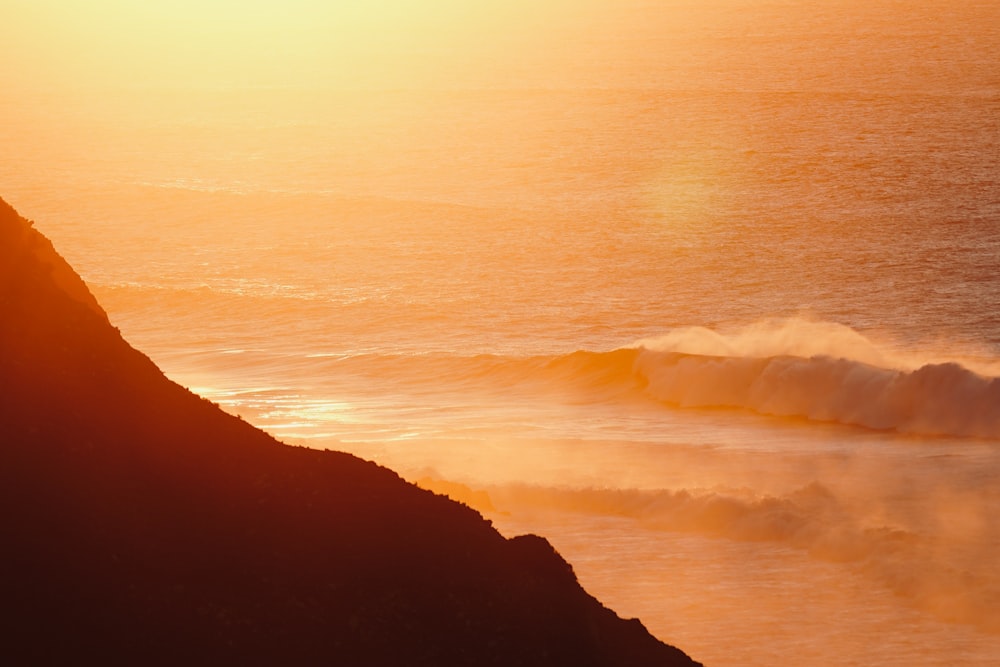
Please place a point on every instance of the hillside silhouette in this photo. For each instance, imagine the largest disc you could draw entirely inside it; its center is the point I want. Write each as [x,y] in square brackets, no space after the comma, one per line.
[143,525]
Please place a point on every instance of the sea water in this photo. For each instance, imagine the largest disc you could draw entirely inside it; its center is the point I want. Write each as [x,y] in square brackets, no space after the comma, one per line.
[728,337]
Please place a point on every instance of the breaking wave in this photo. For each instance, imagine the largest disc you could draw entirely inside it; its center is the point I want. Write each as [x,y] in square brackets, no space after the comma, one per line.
[935,399]
[944,398]
[794,368]
[819,372]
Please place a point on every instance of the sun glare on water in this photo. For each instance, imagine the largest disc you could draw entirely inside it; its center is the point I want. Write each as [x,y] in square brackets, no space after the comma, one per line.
[591,265]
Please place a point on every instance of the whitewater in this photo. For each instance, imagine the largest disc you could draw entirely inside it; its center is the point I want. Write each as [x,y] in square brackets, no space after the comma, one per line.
[728,335]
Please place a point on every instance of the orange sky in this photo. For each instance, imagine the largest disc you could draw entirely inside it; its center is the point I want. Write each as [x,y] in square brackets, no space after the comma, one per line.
[219,43]
[66,44]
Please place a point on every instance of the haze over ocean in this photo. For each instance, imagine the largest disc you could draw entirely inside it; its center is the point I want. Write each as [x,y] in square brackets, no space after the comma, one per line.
[711,299]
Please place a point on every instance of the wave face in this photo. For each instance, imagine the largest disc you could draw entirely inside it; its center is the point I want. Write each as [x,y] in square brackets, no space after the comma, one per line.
[935,399]
[822,371]
[794,368]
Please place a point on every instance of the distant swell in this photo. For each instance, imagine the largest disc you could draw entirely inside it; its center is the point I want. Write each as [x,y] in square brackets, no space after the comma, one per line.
[936,399]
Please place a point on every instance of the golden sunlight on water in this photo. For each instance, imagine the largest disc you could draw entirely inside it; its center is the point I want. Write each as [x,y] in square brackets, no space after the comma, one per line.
[557,259]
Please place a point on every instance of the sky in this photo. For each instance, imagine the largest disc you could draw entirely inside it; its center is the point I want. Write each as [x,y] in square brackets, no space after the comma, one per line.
[261,43]
[68,45]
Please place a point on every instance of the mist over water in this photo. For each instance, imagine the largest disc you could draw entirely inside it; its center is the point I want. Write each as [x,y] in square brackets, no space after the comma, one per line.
[708,297]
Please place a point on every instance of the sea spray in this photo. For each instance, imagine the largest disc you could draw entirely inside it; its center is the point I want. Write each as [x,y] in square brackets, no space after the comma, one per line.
[941,574]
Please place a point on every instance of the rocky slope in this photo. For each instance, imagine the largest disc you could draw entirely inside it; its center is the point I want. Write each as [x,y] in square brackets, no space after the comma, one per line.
[143,525]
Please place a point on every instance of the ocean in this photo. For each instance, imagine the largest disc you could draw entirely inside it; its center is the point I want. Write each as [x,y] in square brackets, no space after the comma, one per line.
[727,335]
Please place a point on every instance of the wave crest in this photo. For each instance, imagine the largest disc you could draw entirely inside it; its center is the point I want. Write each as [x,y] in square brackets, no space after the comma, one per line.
[935,399]
[775,337]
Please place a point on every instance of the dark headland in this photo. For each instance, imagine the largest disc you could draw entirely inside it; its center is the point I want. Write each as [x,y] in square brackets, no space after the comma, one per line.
[143,525]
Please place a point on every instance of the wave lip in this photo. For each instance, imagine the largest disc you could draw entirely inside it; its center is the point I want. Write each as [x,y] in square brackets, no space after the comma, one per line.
[935,399]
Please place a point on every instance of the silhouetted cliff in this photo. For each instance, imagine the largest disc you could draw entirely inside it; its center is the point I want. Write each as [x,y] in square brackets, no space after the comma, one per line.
[142,525]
